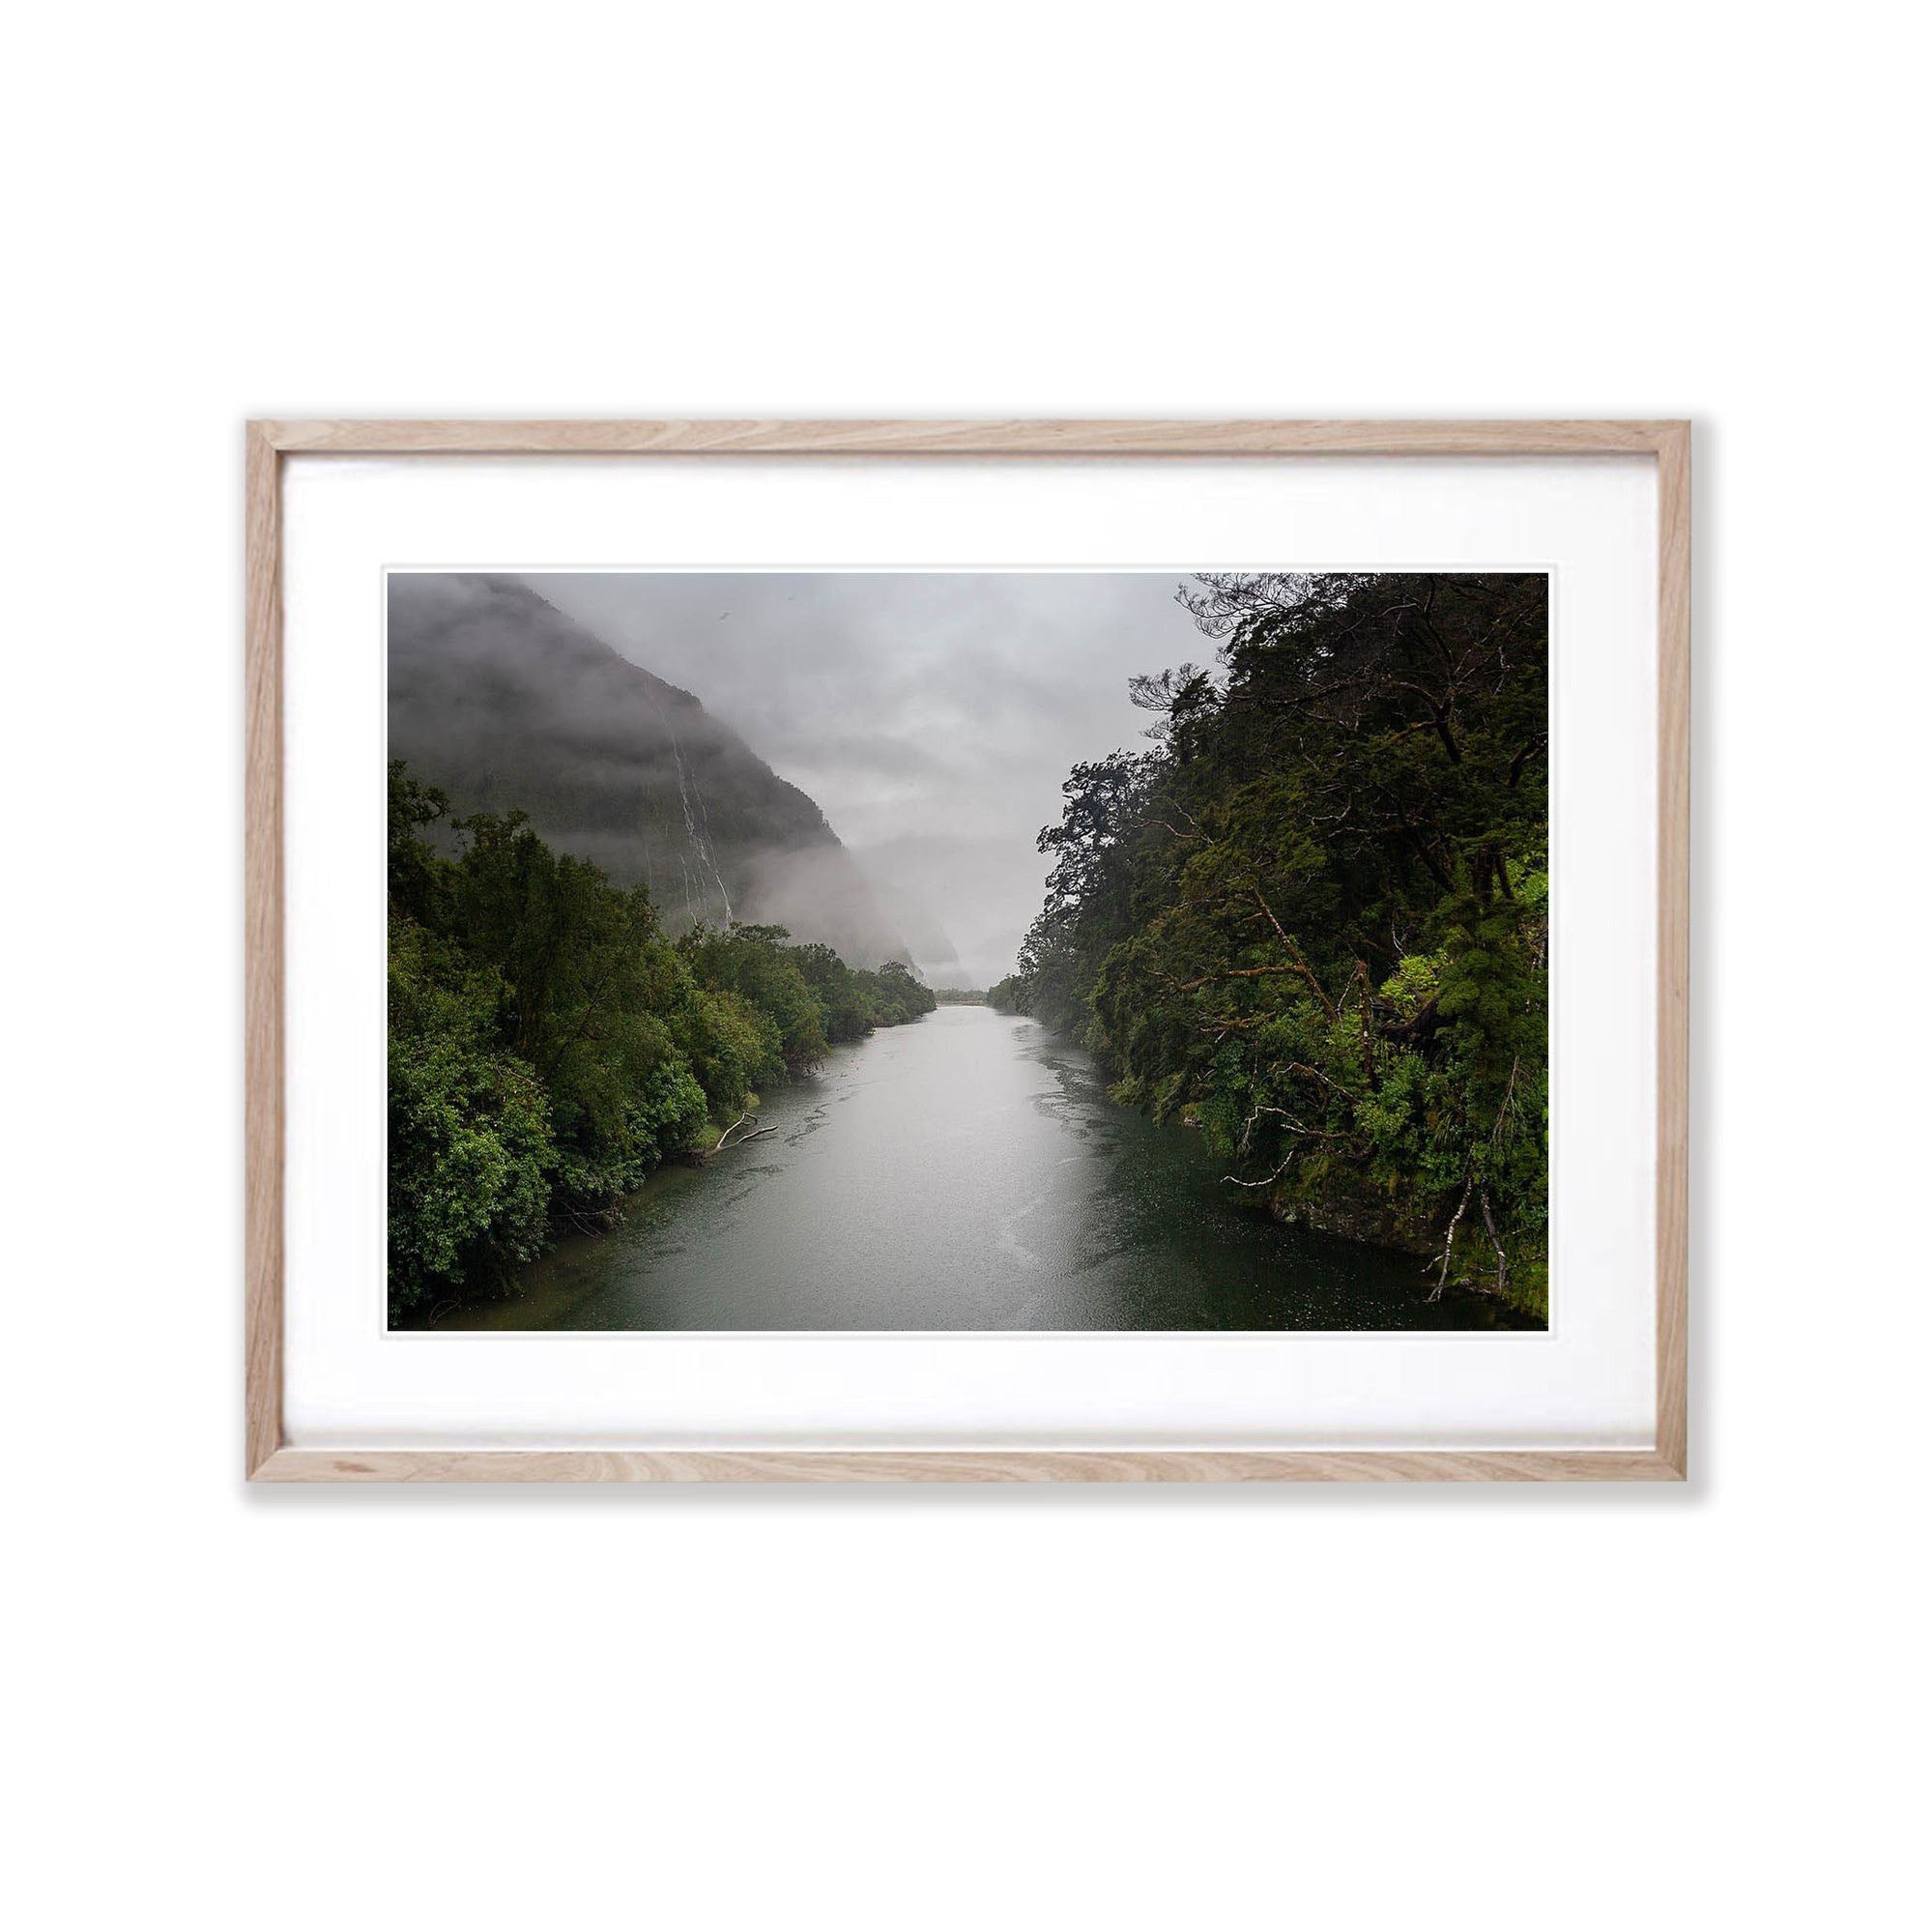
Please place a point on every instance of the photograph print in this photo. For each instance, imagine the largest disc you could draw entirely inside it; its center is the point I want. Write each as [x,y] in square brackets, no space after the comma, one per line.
[955,950]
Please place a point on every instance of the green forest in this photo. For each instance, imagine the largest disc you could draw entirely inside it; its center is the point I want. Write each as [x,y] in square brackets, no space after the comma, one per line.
[548,1045]
[1311,921]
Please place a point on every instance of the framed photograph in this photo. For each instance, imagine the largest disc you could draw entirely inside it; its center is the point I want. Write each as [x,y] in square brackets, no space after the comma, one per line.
[951,951]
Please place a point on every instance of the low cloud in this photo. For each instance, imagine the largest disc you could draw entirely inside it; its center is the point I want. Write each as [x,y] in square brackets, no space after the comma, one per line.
[932,716]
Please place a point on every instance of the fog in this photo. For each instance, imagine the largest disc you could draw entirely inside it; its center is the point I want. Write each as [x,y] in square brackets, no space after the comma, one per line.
[932,716]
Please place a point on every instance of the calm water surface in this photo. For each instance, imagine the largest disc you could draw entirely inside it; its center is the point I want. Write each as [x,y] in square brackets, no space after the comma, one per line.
[965,1171]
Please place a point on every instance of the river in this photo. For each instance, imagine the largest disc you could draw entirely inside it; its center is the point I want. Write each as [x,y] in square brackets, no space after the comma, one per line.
[964,1171]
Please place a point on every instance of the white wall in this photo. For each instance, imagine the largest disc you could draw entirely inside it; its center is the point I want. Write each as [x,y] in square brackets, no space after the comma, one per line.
[1330,1708]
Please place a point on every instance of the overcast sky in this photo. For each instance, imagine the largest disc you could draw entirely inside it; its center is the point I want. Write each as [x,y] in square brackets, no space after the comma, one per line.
[932,716]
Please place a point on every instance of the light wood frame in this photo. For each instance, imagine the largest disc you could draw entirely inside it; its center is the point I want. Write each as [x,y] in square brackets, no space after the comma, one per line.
[268,1459]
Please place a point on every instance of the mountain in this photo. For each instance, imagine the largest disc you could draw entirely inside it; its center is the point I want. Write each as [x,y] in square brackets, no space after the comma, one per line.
[502,700]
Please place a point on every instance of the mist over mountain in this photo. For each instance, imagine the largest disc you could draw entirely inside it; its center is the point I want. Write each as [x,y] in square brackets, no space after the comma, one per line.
[506,702]
[927,939]
[990,899]
[933,714]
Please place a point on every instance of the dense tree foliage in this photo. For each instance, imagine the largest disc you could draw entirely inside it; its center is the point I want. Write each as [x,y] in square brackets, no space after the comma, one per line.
[549,1046]
[1312,919]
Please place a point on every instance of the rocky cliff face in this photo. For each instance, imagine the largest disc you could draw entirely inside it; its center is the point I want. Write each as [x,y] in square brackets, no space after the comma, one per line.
[506,704]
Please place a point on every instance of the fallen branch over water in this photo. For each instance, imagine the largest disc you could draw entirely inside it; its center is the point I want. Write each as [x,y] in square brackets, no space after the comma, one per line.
[726,1144]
